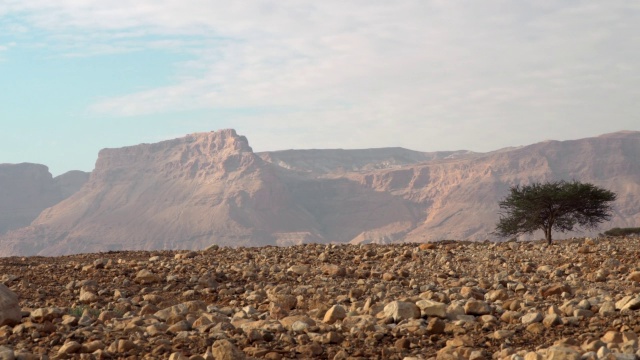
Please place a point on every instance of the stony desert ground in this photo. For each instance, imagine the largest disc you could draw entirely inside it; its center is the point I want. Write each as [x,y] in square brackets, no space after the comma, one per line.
[577,299]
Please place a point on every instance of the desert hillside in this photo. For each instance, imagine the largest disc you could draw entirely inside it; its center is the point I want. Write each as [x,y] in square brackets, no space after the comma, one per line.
[577,299]
[461,196]
[27,189]
[211,188]
[321,162]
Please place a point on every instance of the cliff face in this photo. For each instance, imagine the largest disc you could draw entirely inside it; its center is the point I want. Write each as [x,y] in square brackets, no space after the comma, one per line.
[70,182]
[163,195]
[27,189]
[332,161]
[195,191]
[211,188]
[460,197]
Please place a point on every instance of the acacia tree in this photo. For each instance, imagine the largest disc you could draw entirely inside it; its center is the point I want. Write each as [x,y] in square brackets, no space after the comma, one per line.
[557,206]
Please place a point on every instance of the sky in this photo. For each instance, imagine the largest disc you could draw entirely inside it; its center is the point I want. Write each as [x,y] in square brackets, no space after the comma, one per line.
[77,76]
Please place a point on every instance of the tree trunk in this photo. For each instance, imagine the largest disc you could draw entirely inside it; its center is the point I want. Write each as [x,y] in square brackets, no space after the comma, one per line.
[547,234]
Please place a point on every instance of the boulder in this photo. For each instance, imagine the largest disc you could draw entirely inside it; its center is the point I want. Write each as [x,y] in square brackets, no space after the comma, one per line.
[562,353]
[633,304]
[432,308]
[530,318]
[225,350]
[333,270]
[634,276]
[10,313]
[145,276]
[555,289]
[476,307]
[335,313]
[401,310]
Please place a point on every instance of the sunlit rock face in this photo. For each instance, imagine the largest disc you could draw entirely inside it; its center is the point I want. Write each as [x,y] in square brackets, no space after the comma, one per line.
[27,189]
[211,188]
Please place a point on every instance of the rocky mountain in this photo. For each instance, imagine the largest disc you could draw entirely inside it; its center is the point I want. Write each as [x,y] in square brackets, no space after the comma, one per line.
[320,162]
[27,189]
[211,188]
[198,190]
[460,197]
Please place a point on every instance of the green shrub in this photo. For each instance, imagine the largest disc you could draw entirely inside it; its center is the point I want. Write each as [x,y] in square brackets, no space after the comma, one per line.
[79,310]
[623,231]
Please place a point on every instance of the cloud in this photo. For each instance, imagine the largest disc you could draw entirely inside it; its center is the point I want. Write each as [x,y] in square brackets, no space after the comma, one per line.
[4,48]
[7,46]
[403,69]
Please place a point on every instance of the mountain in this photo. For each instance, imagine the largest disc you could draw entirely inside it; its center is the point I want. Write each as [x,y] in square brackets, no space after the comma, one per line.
[211,188]
[461,196]
[27,189]
[319,162]
[198,190]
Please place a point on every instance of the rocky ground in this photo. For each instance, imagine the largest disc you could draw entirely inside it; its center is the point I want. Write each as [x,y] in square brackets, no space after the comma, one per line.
[577,299]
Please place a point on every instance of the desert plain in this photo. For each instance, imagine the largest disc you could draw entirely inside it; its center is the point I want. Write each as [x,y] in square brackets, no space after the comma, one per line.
[577,299]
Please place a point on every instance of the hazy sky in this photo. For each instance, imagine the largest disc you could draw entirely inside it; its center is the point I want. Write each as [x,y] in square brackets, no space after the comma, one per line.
[80,75]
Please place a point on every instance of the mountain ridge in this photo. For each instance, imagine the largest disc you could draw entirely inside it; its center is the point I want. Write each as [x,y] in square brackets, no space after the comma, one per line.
[26,189]
[211,188]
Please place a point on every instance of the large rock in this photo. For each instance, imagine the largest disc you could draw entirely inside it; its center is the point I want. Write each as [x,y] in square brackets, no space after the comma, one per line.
[562,353]
[530,318]
[335,313]
[634,276]
[555,289]
[225,350]
[432,308]
[145,276]
[41,315]
[401,310]
[628,303]
[333,270]
[288,321]
[6,353]
[193,307]
[70,347]
[10,313]
[476,307]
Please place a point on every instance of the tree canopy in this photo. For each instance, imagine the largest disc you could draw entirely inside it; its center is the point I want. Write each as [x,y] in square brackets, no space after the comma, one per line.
[553,206]
[622,231]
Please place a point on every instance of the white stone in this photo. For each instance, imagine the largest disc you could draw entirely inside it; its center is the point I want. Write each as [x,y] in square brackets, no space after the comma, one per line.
[562,353]
[622,302]
[299,326]
[633,304]
[602,352]
[145,276]
[432,308]
[225,350]
[531,318]
[400,310]
[607,308]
